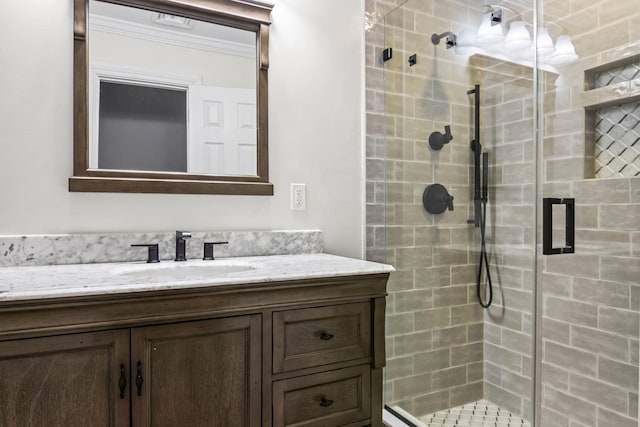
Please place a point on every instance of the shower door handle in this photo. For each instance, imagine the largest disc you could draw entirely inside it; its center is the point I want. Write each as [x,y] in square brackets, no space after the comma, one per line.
[547,226]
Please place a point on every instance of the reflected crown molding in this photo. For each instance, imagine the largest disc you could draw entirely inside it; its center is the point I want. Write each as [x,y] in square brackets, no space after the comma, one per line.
[170,37]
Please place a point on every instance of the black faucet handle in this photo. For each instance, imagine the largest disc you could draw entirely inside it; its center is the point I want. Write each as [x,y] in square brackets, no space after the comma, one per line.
[152,255]
[183,235]
[208,250]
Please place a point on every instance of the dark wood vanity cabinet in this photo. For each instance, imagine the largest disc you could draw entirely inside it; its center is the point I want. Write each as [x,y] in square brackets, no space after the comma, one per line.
[304,353]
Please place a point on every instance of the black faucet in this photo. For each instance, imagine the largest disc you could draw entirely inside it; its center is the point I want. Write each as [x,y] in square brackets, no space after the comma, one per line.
[181,245]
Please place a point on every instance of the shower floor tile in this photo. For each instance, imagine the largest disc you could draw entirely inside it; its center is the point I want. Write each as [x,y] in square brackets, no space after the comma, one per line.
[482,414]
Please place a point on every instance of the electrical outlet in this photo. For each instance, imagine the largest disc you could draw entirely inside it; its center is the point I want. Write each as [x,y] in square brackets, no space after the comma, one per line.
[298,197]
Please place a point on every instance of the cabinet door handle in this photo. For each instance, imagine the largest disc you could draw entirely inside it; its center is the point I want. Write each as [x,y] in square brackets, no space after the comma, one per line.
[122,383]
[325,336]
[139,379]
[326,402]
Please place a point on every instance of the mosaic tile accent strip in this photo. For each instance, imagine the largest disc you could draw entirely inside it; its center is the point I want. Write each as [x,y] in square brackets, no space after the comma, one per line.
[481,413]
[620,74]
[617,149]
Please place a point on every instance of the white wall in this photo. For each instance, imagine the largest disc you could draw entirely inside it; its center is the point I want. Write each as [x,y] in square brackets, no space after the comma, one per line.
[315,137]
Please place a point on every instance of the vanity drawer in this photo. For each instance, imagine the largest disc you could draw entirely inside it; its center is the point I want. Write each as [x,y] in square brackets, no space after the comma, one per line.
[333,398]
[318,336]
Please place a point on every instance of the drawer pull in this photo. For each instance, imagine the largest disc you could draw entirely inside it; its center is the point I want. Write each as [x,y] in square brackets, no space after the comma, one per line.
[325,336]
[139,379]
[326,402]
[122,384]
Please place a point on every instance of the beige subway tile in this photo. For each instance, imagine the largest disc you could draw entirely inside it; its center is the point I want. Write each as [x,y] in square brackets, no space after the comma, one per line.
[600,343]
[602,293]
[569,169]
[620,217]
[410,301]
[432,319]
[470,392]
[416,342]
[431,277]
[505,317]
[397,324]
[448,337]
[608,418]
[556,377]
[449,377]
[503,357]
[621,374]
[618,321]
[603,242]
[463,314]
[571,311]
[465,354]
[450,295]
[431,402]
[432,361]
[579,265]
[598,392]
[509,401]
[400,280]
[405,388]
[570,358]
[565,403]
[475,372]
[621,270]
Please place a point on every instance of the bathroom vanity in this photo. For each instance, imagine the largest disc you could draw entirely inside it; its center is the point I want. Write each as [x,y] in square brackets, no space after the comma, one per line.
[286,340]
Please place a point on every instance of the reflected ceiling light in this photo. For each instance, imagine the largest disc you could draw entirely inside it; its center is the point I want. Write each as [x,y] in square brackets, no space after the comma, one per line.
[545,44]
[518,38]
[466,42]
[517,46]
[490,31]
[564,53]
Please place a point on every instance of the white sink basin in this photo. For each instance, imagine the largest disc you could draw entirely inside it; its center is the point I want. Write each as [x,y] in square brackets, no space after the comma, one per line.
[169,270]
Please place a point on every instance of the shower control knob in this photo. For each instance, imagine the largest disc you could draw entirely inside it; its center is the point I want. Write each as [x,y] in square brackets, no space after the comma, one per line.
[437,140]
[436,199]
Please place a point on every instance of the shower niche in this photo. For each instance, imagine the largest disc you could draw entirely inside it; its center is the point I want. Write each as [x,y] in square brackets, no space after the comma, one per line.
[612,125]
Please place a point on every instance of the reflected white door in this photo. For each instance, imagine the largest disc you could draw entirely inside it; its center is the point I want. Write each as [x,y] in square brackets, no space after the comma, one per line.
[222,131]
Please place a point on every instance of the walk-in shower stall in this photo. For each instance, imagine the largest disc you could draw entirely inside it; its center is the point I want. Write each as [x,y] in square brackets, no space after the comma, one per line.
[503,183]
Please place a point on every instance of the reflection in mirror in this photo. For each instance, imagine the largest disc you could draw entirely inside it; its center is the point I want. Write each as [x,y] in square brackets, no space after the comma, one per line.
[170,94]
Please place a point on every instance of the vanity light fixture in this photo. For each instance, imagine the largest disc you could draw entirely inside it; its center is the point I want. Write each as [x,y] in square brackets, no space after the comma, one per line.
[490,30]
[564,53]
[518,37]
[516,46]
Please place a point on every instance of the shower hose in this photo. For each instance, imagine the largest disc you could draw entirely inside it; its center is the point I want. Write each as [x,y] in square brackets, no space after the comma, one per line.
[484,261]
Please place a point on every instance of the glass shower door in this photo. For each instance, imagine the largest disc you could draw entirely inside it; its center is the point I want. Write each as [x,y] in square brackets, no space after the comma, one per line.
[447,356]
[590,153]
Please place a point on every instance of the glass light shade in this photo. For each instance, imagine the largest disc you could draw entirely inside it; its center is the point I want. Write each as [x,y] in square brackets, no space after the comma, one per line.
[518,37]
[545,44]
[487,33]
[565,53]
[466,44]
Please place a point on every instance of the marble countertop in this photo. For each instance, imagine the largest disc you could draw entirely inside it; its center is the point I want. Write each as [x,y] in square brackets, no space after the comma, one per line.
[60,281]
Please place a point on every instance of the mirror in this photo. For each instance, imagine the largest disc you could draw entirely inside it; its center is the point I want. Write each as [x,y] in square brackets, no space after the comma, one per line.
[171,97]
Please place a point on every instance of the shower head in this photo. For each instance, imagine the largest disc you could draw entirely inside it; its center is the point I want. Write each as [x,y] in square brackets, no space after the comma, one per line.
[450,41]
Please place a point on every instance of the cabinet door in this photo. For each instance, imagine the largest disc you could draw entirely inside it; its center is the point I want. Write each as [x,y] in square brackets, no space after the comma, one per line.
[203,373]
[68,380]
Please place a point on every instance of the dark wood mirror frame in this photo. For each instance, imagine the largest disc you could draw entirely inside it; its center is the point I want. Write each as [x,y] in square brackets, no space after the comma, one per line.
[251,15]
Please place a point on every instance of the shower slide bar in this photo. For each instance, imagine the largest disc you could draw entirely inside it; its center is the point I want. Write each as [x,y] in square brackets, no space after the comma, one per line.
[476,147]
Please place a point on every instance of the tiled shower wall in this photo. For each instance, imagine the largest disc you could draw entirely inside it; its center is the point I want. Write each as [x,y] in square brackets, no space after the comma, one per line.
[440,352]
[434,329]
[591,298]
